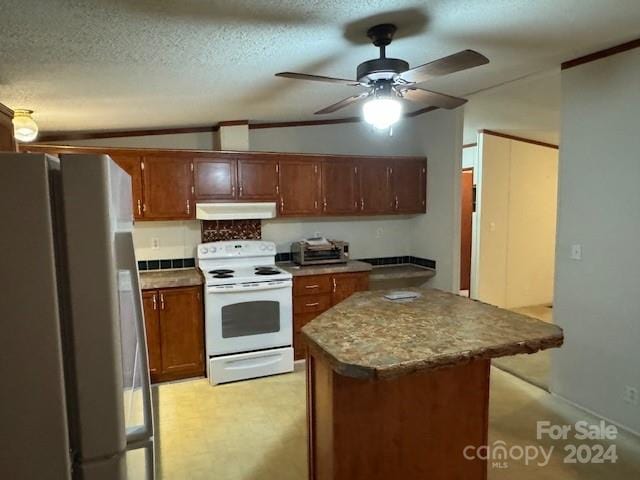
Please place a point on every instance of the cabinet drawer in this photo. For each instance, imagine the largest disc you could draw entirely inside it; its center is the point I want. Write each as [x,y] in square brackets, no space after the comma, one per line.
[311,284]
[311,304]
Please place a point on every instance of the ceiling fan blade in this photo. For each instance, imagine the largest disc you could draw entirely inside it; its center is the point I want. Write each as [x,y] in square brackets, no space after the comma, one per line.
[342,103]
[444,66]
[433,99]
[316,78]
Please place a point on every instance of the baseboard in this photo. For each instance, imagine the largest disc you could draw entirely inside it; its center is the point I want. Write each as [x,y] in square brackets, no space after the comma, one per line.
[597,415]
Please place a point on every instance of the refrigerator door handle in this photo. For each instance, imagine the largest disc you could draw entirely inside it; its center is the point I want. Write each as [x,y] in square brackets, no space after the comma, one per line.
[140,434]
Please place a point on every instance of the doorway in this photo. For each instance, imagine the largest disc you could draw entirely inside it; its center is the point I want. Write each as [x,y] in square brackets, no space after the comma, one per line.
[466,230]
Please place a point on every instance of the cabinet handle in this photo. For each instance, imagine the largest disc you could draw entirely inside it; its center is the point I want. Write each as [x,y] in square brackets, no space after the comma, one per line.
[355,204]
[314,304]
[334,284]
[241,189]
[324,204]
[311,286]
[362,204]
[233,190]
[155,303]
[396,202]
[144,207]
[315,204]
[188,207]
[277,188]
[161,301]
[139,207]
[281,204]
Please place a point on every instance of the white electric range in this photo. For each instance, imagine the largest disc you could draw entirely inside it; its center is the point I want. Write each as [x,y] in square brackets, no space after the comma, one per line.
[248,310]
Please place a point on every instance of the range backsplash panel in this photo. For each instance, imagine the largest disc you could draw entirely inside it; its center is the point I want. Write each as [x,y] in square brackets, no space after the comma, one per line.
[217,230]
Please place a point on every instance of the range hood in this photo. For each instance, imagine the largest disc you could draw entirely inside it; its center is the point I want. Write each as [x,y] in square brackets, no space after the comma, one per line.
[235,211]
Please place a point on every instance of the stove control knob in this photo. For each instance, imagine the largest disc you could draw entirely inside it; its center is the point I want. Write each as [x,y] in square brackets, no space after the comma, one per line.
[204,250]
[263,247]
[270,247]
[212,249]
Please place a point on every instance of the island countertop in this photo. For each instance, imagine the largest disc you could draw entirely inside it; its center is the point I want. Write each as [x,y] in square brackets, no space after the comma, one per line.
[368,336]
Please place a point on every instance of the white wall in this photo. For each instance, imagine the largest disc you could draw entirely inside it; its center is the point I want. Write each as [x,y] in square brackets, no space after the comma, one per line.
[597,299]
[177,239]
[436,235]
[517,188]
[198,141]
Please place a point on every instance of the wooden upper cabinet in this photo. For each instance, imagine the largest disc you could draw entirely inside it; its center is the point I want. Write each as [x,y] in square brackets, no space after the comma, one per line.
[7,140]
[376,193]
[131,164]
[152,327]
[215,178]
[300,187]
[167,187]
[181,331]
[409,185]
[340,186]
[257,178]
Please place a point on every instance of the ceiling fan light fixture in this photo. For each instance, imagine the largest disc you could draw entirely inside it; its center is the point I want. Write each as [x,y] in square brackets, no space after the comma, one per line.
[25,129]
[382,112]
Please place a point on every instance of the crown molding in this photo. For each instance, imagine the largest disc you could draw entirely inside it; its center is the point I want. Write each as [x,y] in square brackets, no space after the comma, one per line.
[607,52]
[520,139]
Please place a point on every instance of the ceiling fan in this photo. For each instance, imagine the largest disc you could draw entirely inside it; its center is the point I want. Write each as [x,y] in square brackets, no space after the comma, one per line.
[387,79]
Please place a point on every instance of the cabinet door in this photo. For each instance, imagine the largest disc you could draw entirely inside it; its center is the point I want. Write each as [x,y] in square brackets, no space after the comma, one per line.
[346,284]
[7,140]
[299,182]
[167,187]
[131,164]
[151,322]
[340,187]
[215,178]
[375,186]
[257,178]
[181,332]
[409,185]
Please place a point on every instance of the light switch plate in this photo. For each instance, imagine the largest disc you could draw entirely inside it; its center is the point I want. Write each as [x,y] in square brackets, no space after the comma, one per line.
[155,243]
[576,251]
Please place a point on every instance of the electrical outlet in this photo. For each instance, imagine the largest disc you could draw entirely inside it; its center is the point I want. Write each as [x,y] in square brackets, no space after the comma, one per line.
[576,251]
[379,232]
[155,243]
[631,395]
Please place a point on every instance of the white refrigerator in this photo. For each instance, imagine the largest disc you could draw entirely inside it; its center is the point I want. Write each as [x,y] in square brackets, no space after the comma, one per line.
[75,392]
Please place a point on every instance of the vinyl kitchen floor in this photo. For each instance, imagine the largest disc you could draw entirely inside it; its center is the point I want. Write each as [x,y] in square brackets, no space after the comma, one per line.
[536,367]
[256,430]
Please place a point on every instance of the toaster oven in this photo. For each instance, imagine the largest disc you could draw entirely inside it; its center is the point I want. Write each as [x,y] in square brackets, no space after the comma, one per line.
[319,251]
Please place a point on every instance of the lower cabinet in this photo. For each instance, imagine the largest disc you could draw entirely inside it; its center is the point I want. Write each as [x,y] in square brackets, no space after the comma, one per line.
[314,294]
[175,332]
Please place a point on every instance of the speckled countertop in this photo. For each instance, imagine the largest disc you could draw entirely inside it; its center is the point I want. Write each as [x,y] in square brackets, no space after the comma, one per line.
[350,266]
[184,277]
[407,270]
[368,336]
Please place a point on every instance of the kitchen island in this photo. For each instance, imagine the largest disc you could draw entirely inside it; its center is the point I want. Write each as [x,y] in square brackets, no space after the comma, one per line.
[398,389]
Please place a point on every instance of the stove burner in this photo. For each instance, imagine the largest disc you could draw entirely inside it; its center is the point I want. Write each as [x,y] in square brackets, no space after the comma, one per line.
[220,271]
[223,275]
[266,271]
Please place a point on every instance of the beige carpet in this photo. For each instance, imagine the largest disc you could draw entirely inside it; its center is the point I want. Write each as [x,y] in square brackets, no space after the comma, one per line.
[536,367]
[256,430]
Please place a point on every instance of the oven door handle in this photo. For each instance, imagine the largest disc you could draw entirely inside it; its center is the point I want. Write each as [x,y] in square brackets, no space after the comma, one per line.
[249,287]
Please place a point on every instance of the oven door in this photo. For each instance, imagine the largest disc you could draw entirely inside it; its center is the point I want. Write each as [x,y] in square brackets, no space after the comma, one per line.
[247,317]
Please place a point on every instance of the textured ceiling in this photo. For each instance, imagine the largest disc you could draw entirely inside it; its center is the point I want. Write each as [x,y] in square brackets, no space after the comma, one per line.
[113,64]
[529,107]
